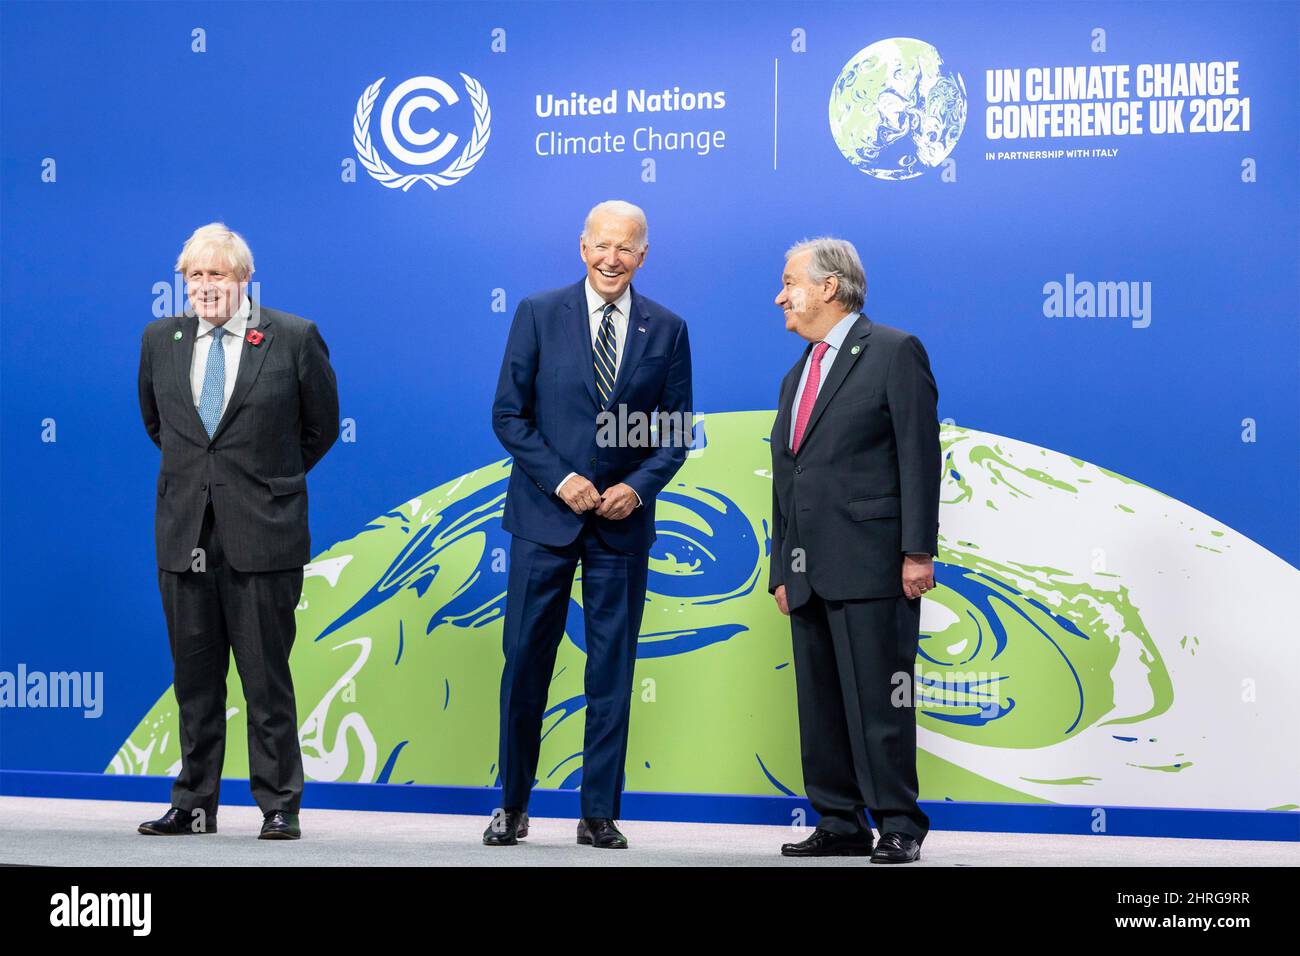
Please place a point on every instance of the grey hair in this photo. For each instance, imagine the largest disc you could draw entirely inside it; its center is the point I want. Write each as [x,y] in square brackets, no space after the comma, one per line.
[617,207]
[835,257]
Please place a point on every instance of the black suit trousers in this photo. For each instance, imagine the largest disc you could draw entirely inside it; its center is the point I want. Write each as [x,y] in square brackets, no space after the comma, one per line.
[857,743]
[211,613]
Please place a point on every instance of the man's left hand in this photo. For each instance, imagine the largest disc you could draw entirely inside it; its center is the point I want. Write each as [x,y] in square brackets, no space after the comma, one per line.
[918,574]
[617,502]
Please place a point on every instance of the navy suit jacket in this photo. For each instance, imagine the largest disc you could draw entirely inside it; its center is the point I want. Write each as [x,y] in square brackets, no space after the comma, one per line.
[546,409]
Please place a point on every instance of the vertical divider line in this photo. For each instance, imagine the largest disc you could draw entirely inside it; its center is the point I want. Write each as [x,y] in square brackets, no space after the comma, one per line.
[776,63]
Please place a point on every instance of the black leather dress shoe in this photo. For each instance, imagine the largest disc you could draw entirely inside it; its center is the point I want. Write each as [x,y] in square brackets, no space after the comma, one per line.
[506,829]
[178,822]
[280,825]
[896,848]
[826,843]
[601,833]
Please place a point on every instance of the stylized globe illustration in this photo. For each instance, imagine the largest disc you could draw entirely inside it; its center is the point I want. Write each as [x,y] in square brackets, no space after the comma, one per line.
[895,111]
[1091,641]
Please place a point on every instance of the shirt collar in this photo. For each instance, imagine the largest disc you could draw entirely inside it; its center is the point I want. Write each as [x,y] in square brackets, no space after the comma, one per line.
[235,325]
[835,337]
[595,303]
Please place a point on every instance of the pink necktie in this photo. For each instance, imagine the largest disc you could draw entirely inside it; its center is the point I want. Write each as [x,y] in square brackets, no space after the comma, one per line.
[809,397]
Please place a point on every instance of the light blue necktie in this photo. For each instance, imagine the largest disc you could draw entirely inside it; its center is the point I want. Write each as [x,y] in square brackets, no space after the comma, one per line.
[605,355]
[214,383]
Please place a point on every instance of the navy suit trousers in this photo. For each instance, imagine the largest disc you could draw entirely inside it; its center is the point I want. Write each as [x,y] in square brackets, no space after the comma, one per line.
[537,606]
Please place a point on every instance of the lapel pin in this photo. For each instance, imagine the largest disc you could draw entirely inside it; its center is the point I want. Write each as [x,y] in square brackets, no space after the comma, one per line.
[177,336]
[855,350]
[640,328]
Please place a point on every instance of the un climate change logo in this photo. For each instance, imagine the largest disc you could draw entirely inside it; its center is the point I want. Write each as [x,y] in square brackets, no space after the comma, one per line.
[436,145]
[895,111]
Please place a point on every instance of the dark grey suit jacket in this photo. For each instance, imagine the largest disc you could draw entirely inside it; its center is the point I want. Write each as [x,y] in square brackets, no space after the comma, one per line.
[282,417]
[864,488]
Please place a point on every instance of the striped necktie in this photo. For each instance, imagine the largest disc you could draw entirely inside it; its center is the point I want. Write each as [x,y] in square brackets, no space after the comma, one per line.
[606,355]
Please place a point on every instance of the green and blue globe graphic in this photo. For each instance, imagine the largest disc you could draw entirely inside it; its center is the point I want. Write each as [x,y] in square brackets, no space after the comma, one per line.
[1091,641]
[895,110]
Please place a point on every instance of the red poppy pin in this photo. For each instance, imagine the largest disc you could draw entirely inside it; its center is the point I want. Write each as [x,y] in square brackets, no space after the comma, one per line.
[254,337]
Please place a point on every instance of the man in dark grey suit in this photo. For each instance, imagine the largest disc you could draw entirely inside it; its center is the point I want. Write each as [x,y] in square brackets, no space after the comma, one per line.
[242,401]
[855,521]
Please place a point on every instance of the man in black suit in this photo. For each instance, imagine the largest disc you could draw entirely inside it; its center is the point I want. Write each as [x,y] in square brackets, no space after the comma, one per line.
[242,401]
[855,521]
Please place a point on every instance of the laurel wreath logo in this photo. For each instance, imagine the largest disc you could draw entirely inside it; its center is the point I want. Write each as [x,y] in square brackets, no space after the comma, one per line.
[461,167]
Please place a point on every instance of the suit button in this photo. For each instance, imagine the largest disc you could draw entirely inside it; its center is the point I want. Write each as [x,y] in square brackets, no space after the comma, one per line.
[798,469]
[593,461]
[203,487]
[212,451]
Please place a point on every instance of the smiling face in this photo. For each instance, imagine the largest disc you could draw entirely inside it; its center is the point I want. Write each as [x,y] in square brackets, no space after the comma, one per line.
[807,305]
[214,288]
[613,249]
[810,308]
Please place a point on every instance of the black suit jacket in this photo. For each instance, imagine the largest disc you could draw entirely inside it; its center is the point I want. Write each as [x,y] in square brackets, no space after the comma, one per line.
[282,417]
[864,488]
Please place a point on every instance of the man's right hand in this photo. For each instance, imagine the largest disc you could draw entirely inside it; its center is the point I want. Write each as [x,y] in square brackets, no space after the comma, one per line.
[579,494]
[779,594]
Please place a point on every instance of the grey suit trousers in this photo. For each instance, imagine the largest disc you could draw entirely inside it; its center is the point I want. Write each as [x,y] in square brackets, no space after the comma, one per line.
[211,613]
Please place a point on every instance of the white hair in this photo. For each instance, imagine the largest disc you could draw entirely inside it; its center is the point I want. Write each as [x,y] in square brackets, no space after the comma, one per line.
[216,241]
[835,257]
[624,210]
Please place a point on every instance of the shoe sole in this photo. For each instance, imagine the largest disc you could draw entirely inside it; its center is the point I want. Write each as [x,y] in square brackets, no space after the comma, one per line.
[854,851]
[275,835]
[151,832]
[912,860]
[587,841]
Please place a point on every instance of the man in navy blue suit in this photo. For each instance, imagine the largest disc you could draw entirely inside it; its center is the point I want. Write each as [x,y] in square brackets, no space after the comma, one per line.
[581,362]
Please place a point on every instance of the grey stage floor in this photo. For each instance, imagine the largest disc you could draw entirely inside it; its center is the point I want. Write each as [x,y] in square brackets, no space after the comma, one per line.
[102,833]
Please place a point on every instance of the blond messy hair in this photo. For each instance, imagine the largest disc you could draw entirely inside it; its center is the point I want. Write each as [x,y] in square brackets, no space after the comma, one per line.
[216,241]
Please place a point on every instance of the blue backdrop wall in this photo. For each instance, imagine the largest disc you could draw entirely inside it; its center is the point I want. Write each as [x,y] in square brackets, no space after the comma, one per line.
[125,126]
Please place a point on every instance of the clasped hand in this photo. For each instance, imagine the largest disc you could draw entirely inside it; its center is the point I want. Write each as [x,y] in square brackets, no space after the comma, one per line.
[581,496]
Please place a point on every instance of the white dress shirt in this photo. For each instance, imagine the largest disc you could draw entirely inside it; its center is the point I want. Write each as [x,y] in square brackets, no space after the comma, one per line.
[596,315]
[232,344]
[835,340]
